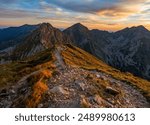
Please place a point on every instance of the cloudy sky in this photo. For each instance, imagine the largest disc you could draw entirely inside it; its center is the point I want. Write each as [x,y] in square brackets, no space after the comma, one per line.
[109,15]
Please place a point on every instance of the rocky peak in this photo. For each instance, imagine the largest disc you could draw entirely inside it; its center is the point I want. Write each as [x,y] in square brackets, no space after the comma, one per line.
[133,32]
[140,27]
[44,37]
[46,26]
[78,27]
[78,33]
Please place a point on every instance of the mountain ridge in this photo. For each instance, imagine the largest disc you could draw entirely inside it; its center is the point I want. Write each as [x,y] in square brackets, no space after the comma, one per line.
[60,74]
[44,37]
[123,49]
[12,35]
[67,76]
[102,44]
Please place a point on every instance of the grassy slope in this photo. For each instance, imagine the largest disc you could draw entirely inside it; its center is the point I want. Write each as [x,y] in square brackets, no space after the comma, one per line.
[77,57]
[12,72]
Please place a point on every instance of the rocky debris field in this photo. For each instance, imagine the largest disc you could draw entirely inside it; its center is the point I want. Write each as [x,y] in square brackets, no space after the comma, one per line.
[72,87]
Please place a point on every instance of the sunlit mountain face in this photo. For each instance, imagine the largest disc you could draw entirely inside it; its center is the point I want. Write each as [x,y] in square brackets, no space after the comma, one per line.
[108,15]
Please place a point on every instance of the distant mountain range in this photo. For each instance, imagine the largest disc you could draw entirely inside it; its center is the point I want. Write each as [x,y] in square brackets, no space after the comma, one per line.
[13,35]
[45,67]
[127,49]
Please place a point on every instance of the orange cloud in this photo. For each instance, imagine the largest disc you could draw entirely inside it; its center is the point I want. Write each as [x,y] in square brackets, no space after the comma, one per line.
[118,12]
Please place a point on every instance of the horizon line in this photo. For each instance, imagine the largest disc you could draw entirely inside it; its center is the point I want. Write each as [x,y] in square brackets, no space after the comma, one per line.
[63,28]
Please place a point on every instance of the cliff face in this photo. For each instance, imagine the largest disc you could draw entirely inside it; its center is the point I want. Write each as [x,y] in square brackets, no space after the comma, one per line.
[127,49]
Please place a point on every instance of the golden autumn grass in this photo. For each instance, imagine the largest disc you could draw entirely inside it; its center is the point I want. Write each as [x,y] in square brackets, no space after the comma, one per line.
[79,58]
[12,72]
[43,74]
[43,66]
[39,87]
[44,63]
[38,91]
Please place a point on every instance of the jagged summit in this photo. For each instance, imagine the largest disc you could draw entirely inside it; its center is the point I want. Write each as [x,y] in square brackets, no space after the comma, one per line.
[134,28]
[44,29]
[44,37]
[141,27]
[45,25]
[135,32]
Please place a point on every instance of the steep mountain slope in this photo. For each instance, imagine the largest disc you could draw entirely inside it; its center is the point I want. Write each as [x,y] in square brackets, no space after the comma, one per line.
[80,36]
[127,49]
[131,46]
[66,76]
[13,35]
[44,37]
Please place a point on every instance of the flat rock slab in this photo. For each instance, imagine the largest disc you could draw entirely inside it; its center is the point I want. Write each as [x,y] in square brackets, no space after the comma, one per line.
[112,91]
[59,89]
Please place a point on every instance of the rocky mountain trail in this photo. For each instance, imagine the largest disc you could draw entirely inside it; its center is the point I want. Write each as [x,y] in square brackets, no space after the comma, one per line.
[59,61]
[71,87]
[51,72]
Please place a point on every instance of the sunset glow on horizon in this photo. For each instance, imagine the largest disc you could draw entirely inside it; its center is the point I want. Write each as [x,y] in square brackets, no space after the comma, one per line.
[111,15]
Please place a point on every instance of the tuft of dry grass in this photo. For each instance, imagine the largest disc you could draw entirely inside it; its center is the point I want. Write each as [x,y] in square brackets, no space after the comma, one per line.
[39,87]
[38,91]
[46,73]
[84,103]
